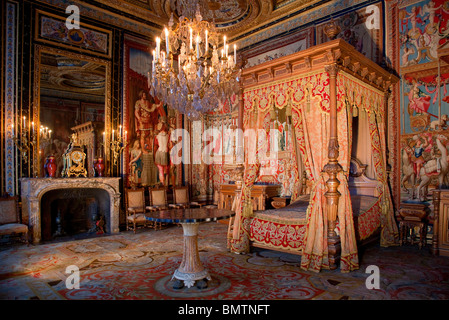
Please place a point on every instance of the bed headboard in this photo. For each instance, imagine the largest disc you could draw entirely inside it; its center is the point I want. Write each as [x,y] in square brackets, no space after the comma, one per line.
[358,182]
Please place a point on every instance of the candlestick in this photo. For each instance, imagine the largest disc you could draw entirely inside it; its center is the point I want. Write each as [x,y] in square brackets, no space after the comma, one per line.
[166,41]
[24,123]
[158,47]
[198,47]
[113,135]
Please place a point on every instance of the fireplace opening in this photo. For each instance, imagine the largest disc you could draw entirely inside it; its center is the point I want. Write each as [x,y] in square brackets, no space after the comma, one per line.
[74,213]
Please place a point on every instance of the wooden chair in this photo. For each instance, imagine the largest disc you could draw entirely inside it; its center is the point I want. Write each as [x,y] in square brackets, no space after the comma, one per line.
[181,198]
[158,201]
[135,209]
[158,198]
[10,222]
[214,205]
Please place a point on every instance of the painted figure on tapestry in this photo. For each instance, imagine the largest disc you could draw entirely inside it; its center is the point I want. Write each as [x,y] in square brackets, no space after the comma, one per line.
[136,164]
[420,144]
[423,29]
[161,157]
[146,115]
[172,142]
[424,164]
[419,101]
[149,169]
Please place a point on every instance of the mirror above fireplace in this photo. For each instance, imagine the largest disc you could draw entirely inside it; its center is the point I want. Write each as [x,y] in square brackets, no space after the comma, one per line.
[72,92]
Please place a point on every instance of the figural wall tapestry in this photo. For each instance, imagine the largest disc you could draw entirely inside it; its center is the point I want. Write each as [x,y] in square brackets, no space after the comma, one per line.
[423,31]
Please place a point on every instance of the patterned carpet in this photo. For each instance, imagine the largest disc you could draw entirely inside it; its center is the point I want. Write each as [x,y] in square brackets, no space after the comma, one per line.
[140,266]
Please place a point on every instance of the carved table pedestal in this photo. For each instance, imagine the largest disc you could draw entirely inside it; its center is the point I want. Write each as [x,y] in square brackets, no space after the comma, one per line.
[191,269]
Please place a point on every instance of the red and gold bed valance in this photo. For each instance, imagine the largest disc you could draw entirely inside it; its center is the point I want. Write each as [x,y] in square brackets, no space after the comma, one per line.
[351,92]
[358,94]
[290,91]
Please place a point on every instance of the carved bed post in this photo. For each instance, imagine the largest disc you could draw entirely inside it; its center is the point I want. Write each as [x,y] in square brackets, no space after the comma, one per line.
[386,122]
[332,168]
[240,127]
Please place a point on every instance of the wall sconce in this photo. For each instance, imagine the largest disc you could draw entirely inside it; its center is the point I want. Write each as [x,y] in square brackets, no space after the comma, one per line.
[27,138]
[118,143]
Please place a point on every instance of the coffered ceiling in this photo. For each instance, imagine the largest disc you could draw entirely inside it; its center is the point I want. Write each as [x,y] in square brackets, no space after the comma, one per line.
[235,18]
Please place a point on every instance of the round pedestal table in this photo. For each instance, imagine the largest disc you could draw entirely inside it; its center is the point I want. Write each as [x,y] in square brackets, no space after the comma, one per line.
[191,269]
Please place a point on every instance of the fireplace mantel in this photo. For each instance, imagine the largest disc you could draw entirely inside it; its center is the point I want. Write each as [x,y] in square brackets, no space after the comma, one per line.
[34,188]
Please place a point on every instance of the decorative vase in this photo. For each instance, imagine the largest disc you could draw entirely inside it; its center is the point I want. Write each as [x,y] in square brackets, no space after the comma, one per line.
[332,29]
[50,167]
[100,167]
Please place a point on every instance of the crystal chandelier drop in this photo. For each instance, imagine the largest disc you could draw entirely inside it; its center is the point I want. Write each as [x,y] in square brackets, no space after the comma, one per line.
[203,76]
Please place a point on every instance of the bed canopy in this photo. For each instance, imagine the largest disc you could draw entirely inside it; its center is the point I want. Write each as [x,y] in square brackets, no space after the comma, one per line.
[320,89]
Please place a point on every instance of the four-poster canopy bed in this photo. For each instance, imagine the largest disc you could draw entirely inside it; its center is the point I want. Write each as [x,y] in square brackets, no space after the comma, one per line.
[321,88]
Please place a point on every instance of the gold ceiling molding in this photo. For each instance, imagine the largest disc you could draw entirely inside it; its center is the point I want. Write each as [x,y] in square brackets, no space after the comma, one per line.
[152,12]
[251,14]
[236,18]
[269,14]
[115,18]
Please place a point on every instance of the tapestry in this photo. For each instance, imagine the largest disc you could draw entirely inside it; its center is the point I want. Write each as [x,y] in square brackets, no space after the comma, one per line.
[424,106]
[277,47]
[147,121]
[422,29]
[362,29]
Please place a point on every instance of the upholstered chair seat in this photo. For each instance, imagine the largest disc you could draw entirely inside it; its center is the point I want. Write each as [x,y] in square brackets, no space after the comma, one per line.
[10,222]
[11,228]
[181,198]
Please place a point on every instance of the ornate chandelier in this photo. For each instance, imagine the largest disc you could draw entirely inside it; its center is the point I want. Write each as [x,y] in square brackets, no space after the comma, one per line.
[202,77]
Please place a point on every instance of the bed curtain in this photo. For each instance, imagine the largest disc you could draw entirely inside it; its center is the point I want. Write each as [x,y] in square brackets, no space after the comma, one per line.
[311,122]
[372,102]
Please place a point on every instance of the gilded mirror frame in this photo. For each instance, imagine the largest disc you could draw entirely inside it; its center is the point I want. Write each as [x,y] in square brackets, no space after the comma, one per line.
[38,51]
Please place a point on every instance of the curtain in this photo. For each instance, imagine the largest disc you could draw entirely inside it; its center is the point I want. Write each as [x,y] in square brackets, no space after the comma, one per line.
[362,150]
[389,230]
[238,241]
[312,136]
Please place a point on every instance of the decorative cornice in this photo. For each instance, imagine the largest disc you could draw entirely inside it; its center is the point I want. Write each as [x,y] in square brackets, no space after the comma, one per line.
[337,52]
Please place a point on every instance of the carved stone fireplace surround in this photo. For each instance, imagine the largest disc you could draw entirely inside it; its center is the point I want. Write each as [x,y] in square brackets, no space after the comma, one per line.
[34,188]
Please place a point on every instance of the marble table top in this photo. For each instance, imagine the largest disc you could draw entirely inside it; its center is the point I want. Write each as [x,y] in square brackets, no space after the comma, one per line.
[189,215]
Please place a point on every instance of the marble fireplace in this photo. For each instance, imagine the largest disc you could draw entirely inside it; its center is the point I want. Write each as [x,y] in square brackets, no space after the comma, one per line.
[77,198]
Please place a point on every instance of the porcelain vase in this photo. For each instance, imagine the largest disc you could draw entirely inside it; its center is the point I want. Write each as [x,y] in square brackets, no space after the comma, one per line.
[50,167]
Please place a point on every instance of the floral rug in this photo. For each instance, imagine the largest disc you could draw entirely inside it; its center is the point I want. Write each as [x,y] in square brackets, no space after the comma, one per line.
[140,266]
